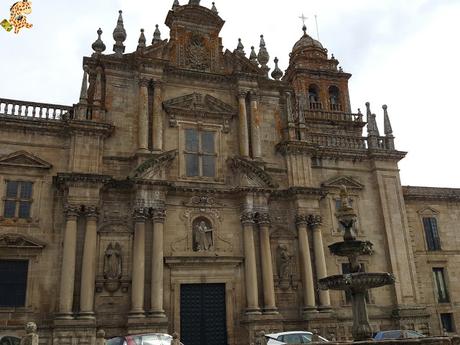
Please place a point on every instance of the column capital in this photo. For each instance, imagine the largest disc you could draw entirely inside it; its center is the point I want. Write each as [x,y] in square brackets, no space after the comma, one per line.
[263,219]
[144,82]
[314,221]
[91,212]
[242,93]
[71,211]
[140,214]
[159,215]
[158,83]
[301,219]
[254,95]
[247,217]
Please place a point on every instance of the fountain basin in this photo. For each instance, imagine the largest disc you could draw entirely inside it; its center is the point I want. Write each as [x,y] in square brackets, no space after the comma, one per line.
[351,248]
[359,281]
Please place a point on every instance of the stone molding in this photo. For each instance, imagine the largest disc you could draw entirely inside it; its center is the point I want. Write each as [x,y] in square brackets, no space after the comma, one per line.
[154,165]
[19,241]
[246,166]
[24,159]
[431,193]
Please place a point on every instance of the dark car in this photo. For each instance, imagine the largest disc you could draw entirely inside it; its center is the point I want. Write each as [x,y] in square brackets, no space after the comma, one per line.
[142,339]
[9,340]
[397,334]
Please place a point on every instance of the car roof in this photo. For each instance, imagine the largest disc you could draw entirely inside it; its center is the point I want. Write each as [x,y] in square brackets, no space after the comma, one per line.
[290,332]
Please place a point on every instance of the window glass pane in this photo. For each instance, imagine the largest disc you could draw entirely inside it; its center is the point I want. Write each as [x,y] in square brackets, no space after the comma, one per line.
[24,209]
[447,322]
[440,285]
[10,209]
[191,140]
[13,283]
[209,166]
[26,190]
[11,189]
[207,142]
[191,164]
[431,233]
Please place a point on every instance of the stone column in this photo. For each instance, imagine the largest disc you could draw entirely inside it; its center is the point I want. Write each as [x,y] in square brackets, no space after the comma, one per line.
[314,223]
[243,125]
[157,122]
[250,273]
[138,277]
[143,121]
[267,266]
[68,262]
[88,274]
[255,127]
[306,272]
[159,216]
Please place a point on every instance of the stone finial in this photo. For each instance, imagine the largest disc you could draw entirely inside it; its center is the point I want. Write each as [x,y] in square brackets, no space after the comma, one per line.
[263,56]
[372,128]
[98,46]
[175,4]
[141,41]
[386,121]
[277,73]
[214,8]
[31,337]
[253,56]
[84,86]
[240,48]
[304,29]
[119,35]
[156,35]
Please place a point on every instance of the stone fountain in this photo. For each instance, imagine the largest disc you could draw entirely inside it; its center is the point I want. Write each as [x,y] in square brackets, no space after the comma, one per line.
[356,282]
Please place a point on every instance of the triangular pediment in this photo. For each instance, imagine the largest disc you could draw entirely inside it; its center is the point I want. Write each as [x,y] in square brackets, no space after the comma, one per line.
[339,181]
[249,174]
[155,167]
[24,159]
[19,242]
[198,103]
[428,211]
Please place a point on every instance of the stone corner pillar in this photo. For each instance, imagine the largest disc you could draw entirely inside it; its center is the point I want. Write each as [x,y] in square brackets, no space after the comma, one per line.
[314,224]
[67,282]
[157,123]
[143,113]
[140,216]
[263,220]
[243,124]
[250,272]
[255,126]
[158,217]
[88,275]
[306,271]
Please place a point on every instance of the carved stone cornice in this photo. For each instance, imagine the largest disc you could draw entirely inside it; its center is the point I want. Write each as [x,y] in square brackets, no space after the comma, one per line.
[140,214]
[71,211]
[431,193]
[159,215]
[314,221]
[65,178]
[247,217]
[91,127]
[299,191]
[187,74]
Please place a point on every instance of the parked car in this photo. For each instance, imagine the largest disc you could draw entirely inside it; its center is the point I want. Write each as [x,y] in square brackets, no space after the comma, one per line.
[142,339]
[397,334]
[293,337]
[9,340]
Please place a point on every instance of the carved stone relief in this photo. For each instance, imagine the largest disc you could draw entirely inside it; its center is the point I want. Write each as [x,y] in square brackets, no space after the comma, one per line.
[203,239]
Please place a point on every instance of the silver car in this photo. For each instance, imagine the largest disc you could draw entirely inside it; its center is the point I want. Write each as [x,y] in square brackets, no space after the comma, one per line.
[142,339]
[293,337]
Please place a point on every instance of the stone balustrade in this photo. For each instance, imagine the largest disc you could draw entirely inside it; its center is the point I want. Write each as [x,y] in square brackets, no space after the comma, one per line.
[335,115]
[344,142]
[33,110]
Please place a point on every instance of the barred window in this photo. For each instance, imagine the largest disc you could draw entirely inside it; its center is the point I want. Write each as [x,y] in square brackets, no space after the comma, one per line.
[18,199]
[13,283]
[431,233]
[200,153]
[440,285]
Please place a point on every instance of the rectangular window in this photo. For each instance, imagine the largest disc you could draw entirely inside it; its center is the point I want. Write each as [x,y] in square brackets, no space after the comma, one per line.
[431,233]
[447,322]
[346,268]
[13,283]
[440,285]
[18,199]
[200,153]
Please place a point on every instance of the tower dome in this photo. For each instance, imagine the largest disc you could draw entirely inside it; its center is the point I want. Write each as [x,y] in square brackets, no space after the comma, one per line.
[306,41]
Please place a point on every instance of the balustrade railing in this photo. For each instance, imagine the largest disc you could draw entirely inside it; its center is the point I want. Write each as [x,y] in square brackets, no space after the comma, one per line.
[34,110]
[332,116]
[341,141]
[316,106]
[336,107]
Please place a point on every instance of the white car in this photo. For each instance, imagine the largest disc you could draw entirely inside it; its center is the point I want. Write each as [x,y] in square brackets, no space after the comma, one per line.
[9,340]
[294,337]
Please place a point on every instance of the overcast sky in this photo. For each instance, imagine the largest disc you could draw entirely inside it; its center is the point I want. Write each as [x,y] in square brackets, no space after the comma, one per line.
[401,52]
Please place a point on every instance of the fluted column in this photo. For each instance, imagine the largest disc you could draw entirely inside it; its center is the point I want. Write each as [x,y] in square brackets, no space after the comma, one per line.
[138,278]
[306,272]
[314,223]
[68,262]
[157,122]
[159,216]
[143,122]
[243,125]
[250,273]
[88,274]
[255,127]
[267,266]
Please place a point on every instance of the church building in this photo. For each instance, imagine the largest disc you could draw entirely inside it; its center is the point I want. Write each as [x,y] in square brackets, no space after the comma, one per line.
[193,190]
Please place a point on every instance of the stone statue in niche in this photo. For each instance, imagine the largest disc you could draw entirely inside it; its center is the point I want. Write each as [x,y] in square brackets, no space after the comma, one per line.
[112,267]
[203,237]
[284,263]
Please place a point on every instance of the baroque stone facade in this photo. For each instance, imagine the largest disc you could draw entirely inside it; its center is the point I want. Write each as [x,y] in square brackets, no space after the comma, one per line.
[185,169]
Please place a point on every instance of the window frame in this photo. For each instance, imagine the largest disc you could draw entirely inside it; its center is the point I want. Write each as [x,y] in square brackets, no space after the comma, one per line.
[18,199]
[436,286]
[434,234]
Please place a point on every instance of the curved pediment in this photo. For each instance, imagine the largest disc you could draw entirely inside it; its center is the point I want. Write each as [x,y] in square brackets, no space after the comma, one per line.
[250,174]
[24,159]
[194,14]
[155,167]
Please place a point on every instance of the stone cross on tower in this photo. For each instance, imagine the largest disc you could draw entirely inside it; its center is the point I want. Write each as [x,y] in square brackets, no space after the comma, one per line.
[303,21]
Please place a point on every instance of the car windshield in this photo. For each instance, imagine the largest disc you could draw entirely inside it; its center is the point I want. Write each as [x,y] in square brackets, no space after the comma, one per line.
[297,338]
[152,339]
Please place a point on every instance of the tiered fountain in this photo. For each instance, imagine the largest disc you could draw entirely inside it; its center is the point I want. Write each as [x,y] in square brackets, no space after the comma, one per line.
[356,282]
